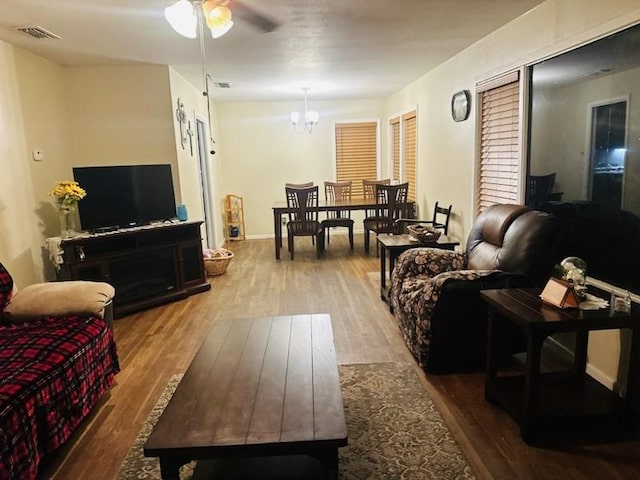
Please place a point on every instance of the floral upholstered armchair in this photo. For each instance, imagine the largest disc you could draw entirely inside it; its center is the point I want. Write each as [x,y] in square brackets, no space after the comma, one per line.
[435,293]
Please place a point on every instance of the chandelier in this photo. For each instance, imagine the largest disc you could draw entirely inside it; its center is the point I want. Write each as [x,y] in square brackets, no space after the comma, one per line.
[308,120]
[183,17]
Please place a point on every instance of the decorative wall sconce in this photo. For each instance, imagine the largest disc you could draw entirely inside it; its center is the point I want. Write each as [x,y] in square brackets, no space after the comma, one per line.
[181,116]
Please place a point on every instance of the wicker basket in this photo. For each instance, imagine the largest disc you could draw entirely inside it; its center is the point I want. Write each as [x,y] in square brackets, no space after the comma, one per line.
[423,234]
[217,261]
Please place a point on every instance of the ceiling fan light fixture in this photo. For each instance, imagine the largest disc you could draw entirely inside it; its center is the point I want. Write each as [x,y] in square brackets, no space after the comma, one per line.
[218,32]
[217,17]
[182,18]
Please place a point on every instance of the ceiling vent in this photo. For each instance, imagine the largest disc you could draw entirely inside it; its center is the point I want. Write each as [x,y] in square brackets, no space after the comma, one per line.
[37,32]
[222,84]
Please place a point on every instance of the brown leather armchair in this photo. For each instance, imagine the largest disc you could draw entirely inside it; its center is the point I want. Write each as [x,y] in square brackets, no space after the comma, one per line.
[435,293]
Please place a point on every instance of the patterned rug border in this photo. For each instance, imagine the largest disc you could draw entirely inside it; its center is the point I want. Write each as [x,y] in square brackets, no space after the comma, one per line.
[395,430]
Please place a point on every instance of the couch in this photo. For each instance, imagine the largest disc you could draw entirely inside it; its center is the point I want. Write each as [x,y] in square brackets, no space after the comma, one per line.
[435,295]
[53,368]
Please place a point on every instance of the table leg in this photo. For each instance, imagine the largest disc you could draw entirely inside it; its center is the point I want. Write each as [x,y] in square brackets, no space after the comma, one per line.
[383,273]
[531,386]
[491,366]
[580,352]
[277,232]
[329,459]
[633,380]
[170,468]
[394,253]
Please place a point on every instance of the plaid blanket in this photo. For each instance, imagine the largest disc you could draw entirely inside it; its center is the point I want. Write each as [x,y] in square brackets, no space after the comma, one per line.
[52,372]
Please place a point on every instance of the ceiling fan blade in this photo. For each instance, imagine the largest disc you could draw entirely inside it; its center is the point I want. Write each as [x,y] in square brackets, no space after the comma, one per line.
[252,16]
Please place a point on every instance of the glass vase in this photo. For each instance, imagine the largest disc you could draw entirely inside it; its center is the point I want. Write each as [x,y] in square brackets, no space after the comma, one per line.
[67,217]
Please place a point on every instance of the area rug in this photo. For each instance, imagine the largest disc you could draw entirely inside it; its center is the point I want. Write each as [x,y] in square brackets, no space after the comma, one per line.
[395,431]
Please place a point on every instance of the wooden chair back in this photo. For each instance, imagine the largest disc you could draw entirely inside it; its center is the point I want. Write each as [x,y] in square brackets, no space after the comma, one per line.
[298,185]
[539,187]
[369,192]
[393,199]
[441,218]
[336,191]
[303,203]
[369,187]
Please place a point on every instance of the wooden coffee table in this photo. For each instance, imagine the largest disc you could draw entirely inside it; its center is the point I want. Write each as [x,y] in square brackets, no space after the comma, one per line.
[261,387]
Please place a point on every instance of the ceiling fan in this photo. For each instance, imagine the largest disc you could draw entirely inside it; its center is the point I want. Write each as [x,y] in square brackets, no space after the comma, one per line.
[252,16]
[184,17]
[216,14]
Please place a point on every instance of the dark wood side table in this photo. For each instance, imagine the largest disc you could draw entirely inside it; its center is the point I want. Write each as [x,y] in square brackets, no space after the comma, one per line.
[394,245]
[570,400]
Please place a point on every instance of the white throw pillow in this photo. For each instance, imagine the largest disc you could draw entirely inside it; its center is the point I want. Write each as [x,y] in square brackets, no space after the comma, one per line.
[58,299]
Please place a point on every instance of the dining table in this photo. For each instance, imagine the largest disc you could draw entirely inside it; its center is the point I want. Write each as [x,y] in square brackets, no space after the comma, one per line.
[281,208]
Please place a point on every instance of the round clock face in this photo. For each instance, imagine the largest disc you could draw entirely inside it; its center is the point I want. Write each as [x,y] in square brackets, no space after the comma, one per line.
[460,105]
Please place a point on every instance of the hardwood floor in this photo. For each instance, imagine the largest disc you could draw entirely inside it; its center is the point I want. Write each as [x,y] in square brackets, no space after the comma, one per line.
[157,343]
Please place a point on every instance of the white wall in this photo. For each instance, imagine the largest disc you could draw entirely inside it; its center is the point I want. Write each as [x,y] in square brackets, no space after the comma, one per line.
[195,104]
[122,115]
[33,114]
[78,116]
[260,151]
[446,149]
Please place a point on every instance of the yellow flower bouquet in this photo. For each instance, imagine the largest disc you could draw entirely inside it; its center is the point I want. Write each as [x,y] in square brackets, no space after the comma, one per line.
[68,193]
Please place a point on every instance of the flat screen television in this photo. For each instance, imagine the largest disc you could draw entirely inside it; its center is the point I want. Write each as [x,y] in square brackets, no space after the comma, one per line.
[124,196]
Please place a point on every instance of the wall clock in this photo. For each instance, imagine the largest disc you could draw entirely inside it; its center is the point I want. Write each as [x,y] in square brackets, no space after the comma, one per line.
[460,105]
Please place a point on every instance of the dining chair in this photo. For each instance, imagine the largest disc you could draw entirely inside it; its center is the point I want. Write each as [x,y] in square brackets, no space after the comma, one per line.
[301,185]
[337,191]
[440,220]
[391,204]
[298,185]
[303,217]
[369,192]
[539,188]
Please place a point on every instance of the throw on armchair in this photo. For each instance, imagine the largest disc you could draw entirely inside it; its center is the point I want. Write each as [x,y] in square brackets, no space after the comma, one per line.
[435,293]
[57,358]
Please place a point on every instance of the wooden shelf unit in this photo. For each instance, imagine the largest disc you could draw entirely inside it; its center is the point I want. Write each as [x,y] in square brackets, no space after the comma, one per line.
[146,265]
[234,210]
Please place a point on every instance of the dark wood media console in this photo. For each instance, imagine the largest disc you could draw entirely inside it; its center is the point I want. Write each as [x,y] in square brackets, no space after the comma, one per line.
[146,265]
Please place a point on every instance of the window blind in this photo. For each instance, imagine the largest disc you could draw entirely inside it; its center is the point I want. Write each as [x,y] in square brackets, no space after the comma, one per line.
[410,152]
[499,167]
[356,154]
[394,125]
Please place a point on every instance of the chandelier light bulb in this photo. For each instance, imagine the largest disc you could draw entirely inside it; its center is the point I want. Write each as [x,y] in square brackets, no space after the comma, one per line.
[312,116]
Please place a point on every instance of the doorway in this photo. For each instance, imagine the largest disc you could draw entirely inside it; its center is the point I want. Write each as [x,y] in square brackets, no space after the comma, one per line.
[608,153]
[206,188]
